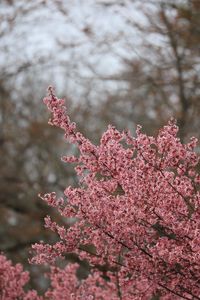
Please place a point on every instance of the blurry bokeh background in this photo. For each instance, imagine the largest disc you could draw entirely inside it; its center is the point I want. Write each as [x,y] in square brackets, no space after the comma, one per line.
[122,62]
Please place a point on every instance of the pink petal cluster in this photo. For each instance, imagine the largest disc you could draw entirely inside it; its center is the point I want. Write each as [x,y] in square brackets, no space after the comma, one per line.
[12,282]
[65,286]
[137,203]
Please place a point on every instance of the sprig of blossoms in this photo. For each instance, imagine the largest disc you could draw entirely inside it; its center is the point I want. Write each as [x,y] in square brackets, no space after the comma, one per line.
[12,282]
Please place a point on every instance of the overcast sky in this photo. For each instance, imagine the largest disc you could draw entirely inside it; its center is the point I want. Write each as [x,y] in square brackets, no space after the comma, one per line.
[70,41]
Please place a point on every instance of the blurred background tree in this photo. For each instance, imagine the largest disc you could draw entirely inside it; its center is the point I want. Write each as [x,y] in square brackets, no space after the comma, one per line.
[118,62]
[162,79]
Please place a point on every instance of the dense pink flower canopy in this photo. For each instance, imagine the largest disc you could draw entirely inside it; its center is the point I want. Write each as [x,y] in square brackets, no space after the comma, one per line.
[137,204]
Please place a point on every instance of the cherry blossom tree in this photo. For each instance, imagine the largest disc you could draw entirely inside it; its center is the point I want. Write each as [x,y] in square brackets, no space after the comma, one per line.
[136,207]
[135,216]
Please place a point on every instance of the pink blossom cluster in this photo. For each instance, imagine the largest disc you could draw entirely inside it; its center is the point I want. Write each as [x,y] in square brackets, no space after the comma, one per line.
[137,212]
[64,284]
[12,282]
